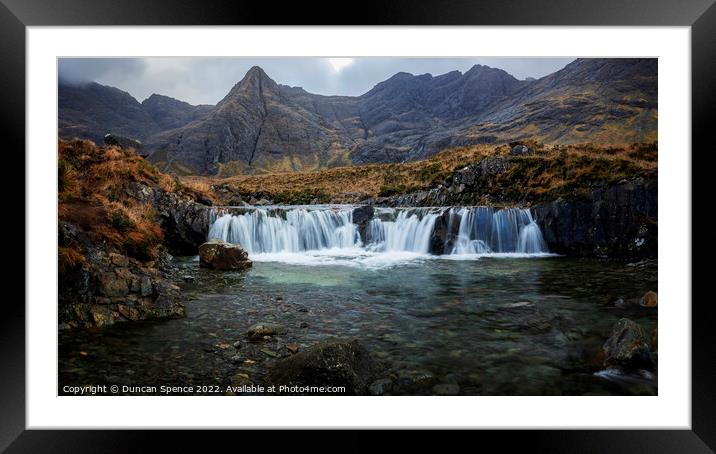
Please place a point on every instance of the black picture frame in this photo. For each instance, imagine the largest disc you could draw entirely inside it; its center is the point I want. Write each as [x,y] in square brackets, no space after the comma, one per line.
[16,15]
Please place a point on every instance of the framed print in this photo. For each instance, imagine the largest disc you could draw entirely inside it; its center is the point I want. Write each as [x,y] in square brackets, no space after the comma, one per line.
[448,217]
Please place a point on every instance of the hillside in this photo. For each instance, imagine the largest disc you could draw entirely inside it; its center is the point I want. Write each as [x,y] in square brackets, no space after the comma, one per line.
[91,110]
[548,173]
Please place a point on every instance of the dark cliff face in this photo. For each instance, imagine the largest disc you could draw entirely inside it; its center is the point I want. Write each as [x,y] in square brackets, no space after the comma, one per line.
[261,125]
[616,221]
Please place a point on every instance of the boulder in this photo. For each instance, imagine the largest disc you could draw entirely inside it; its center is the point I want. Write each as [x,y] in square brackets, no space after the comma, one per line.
[220,255]
[648,300]
[627,347]
[257,331]
[343,363]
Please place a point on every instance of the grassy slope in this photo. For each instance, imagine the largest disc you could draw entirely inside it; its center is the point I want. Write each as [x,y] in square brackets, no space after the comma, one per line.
[551,170]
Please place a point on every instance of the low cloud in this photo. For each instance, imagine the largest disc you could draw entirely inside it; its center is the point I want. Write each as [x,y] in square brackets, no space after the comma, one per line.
[206,80]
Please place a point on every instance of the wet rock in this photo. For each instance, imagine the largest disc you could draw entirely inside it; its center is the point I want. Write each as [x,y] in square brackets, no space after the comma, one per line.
[446,389]
[293,348]
[220,255]
[381,387]
[303,325]
[648,300]
[188,279]
[257,331]
[329,363]
[627,347]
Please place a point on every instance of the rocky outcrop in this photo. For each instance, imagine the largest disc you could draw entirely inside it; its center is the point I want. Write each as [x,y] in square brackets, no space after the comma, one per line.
[220,255]
[108,287]
[328,363]
[628,347]
[184,221]
[612,221]
[362,215]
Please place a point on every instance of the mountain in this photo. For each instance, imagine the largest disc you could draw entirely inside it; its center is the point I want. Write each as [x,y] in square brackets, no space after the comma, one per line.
[90,110]
[255,125]
[261,125]
[170,113]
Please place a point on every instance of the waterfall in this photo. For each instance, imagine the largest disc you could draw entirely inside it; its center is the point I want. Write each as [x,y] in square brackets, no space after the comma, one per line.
[409,232]
[300,230]
[484,230]
[468,230]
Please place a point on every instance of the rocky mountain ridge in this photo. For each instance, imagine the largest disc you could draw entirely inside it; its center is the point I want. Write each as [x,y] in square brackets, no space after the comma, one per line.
[263,126]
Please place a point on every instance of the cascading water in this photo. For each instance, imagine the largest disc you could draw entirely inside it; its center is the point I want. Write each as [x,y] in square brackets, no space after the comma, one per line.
[293,230]
[408,232]
[484,230]
[465,231]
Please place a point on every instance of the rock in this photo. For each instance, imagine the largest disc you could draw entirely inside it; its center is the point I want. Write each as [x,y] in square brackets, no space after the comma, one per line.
[257,331]
[521,150]
[118,259]
[648,300]
[293,348]
[329,363]
[188,279]
[111,285]
[303,325]
[220,255]
[361,217]
[240,379]
[381,387]
[237,345]
[446,389]
[627,347]
[125,142]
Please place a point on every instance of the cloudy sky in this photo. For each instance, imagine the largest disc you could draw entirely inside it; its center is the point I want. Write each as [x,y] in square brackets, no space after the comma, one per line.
[205,80]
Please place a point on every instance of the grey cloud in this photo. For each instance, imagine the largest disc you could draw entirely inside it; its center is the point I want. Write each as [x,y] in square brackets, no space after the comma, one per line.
[205,80]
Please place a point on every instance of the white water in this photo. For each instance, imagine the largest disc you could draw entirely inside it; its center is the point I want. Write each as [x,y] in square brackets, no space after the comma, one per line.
[320,235]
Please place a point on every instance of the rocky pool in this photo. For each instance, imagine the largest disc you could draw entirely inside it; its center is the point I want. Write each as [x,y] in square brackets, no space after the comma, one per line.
[499,324]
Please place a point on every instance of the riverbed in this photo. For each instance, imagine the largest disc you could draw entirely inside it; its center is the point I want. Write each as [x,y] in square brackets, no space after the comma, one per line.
[499,324]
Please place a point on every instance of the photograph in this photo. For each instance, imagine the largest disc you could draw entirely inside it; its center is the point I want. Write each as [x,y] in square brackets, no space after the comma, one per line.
[357,225]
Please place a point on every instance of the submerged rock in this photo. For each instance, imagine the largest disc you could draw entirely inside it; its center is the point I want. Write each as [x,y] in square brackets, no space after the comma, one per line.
[221,255]
[329,363]
[628,347]
[649,299]
[257,331]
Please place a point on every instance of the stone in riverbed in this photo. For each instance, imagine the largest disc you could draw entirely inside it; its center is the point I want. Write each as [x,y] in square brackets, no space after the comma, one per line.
[257,331]
[446,389]
[628,347]
[329,363]
[220,255]
[648,300]
[381,387]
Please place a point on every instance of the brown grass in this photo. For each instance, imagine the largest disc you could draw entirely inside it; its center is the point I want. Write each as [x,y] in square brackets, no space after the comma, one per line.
[92,195]
[550,168]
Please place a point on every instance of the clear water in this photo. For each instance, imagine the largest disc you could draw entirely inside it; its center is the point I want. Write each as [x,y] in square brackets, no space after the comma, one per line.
[493,324]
